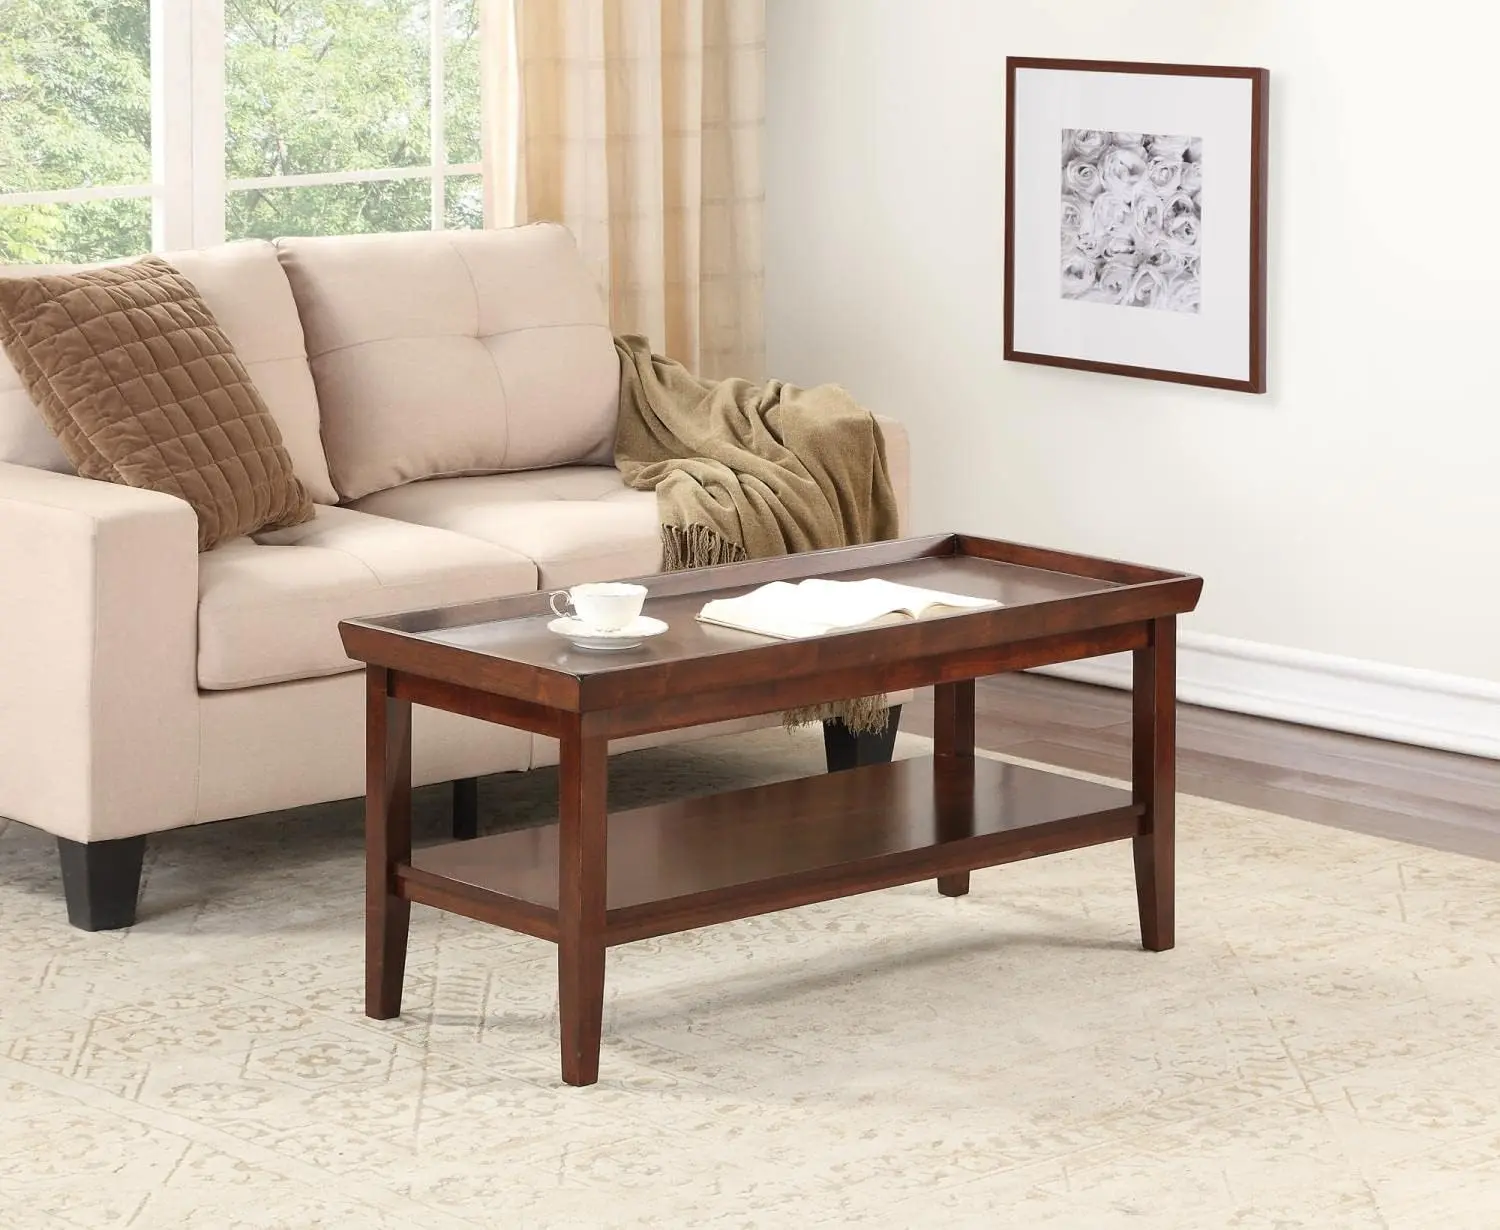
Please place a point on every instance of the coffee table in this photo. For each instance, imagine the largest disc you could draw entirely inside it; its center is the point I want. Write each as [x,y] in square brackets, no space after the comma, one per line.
[592,880]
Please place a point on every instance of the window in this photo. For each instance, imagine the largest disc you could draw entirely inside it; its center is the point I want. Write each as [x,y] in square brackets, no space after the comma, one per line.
[350,115]
[75,139]
[133,124]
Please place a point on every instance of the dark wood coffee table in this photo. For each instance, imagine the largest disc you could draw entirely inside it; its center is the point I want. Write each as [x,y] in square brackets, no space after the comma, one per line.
[593,880]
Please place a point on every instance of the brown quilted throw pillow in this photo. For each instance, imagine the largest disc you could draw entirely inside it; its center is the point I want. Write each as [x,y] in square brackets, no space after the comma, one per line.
[139,384]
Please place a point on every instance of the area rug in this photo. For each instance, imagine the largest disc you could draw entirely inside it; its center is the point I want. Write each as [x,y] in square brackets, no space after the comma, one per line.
[1322,1049]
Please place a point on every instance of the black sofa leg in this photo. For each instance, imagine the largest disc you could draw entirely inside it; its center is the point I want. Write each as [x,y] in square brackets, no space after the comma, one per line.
[101,881]
[465,808]
[847,750]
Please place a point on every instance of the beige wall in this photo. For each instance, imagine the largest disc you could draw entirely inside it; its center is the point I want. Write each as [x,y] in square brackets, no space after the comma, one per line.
[1355,509]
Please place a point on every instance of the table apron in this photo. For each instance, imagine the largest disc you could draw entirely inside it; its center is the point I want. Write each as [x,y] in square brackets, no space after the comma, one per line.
[749,699]
[475,703]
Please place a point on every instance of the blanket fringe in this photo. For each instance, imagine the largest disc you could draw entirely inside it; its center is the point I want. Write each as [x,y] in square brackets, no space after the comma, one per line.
[697,546]
[862,716]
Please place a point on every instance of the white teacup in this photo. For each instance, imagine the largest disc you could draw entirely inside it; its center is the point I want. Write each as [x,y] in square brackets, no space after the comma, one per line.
[605,605]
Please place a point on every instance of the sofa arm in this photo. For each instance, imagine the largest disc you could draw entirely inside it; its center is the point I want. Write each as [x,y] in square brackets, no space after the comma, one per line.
[898,457]
[98,645]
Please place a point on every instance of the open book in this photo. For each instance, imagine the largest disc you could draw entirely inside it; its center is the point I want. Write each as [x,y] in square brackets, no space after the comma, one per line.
[816,607]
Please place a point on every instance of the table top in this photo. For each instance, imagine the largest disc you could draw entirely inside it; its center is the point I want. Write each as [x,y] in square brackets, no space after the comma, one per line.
[503,645]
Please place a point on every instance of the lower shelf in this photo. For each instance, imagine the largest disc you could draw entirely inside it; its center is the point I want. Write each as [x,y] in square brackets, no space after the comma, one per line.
[710,859]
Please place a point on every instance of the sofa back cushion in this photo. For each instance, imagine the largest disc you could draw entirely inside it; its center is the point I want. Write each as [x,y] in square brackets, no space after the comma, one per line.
[141,386]
[458,352]
[244,287]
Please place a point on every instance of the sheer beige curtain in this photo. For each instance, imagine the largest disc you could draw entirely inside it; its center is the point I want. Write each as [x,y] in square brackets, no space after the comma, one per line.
[638,124]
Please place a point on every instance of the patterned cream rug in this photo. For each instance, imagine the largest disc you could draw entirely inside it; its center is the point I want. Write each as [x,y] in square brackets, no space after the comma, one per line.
[1321,1050]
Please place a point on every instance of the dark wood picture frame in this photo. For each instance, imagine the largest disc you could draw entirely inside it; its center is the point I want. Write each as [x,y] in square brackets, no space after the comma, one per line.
[1259,79]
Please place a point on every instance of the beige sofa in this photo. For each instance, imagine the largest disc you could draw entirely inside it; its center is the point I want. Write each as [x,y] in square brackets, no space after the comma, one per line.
[449,401]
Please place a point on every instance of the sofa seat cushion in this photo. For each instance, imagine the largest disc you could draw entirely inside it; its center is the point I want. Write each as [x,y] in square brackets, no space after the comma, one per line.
[269,605]
[576,523]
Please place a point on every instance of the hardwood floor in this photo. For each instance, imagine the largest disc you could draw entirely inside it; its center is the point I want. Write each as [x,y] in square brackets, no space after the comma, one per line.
[1437,799]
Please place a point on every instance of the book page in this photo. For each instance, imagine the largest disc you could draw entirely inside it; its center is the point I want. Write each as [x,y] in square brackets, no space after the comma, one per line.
[816,606]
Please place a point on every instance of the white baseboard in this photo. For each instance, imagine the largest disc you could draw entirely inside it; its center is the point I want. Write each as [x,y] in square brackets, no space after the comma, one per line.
[1425,708]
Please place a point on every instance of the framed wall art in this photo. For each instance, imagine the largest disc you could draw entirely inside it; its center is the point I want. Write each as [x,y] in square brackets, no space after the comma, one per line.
[1135,219]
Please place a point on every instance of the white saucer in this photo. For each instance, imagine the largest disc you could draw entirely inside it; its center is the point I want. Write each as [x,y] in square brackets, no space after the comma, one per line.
[584,636]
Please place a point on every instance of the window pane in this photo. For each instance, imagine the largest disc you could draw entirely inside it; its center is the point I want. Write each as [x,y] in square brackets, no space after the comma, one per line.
[75,93]
[325,85]
[331,209]
[76,233]
[461,82]
[465,202]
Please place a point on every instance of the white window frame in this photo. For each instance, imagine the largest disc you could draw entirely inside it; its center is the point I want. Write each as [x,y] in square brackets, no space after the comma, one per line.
[188,190]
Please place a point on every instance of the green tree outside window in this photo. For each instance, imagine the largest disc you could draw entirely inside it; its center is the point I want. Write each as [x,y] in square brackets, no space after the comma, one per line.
[311,86]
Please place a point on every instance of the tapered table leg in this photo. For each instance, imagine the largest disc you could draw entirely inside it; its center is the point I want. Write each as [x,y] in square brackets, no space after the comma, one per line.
[1154,781]
[582,871]
[387,842]
[953,735]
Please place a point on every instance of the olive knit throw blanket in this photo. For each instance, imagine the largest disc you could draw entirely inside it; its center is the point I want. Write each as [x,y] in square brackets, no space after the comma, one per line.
[744,471]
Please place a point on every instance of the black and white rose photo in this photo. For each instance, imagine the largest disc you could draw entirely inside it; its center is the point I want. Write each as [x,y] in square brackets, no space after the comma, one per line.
[1131,219]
